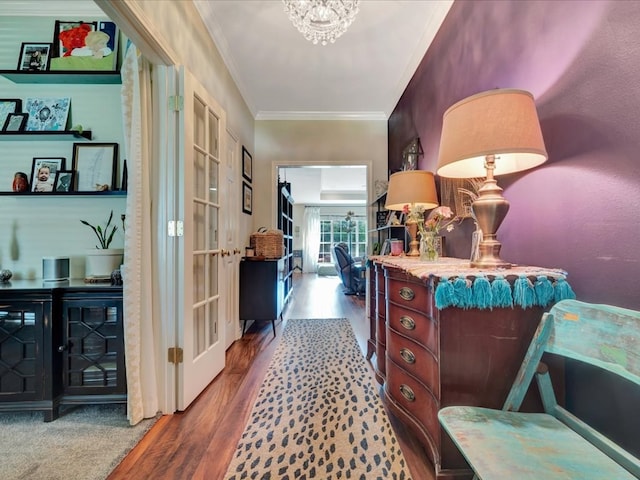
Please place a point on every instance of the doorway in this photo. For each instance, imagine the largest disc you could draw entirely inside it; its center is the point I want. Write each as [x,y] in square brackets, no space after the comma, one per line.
[330,206]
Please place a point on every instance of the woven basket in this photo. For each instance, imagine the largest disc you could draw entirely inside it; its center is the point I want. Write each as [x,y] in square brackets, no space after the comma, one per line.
[268,243]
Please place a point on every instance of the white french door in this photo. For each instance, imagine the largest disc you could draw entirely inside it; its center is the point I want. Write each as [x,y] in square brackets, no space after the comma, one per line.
[200,324]
[231,252]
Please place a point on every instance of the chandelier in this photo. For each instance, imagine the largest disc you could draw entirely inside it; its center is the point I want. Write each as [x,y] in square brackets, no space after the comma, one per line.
[321,21]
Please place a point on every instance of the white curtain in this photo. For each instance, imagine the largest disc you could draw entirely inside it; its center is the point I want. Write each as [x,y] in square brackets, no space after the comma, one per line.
[311,239]
[139,335]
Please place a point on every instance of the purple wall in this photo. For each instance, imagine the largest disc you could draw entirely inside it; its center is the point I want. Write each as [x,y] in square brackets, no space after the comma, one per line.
[580,211]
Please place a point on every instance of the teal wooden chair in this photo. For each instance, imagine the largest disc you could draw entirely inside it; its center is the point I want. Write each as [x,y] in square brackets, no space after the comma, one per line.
[507,444]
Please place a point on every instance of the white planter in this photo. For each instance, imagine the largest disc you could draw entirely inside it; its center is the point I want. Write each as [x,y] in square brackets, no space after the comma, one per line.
[101,262]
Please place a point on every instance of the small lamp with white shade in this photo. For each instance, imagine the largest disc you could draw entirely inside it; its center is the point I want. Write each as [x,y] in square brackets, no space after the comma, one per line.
[412,188]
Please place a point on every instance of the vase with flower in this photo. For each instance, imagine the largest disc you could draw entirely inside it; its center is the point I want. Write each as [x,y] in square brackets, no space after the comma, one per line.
[429,229]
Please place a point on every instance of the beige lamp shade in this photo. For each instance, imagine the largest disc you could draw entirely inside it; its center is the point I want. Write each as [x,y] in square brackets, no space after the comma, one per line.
[501,122]
[413,188]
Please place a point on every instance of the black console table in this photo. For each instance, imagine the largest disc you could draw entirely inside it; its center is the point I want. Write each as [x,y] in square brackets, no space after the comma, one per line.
[262,290]
[60,344]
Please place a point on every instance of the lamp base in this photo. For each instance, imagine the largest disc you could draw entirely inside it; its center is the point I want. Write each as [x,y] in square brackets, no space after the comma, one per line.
[489,256]
[412,229]
[489,209]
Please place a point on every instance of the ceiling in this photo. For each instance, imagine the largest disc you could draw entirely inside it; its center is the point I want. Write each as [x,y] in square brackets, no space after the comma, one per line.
[281,75]
[343,185]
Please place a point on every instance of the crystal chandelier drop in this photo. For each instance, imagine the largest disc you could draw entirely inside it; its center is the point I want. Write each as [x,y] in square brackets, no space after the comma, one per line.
[321,21]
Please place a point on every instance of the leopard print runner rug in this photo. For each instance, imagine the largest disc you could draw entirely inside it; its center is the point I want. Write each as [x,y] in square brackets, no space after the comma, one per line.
[318,414]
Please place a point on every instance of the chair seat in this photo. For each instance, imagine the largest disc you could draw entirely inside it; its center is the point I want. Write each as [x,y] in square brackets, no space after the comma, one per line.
[508,445]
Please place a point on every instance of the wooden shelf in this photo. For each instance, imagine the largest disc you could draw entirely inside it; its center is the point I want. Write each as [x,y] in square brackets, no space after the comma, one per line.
[47,135]
[109,193]
[96,77]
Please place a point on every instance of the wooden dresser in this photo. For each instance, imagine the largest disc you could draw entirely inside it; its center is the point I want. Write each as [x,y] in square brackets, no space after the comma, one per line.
[428,358]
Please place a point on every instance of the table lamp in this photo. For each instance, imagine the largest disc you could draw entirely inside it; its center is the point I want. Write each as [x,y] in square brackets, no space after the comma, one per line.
[413,188]
[493,133]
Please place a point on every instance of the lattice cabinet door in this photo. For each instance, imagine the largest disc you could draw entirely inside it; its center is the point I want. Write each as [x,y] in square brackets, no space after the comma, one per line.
[21,345]
[93,349]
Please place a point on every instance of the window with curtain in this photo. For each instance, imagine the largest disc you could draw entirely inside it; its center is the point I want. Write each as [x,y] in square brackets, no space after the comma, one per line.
[335,229]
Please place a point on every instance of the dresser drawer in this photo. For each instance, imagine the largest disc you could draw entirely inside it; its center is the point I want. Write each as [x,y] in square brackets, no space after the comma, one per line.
[416,326]
[409,295]
[415,359]
[416,399]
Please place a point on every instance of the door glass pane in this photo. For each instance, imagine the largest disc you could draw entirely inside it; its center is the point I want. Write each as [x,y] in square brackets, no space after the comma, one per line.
[213,181]
[199,114]
[213,322]
[213,135]
[199,174]
[199,226]
[199,277]
[213,275]
[199,332]
[213,228]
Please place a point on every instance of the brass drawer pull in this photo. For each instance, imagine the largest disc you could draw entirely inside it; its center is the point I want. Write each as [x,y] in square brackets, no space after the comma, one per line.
[407,322]
[407,355]
[407,294]
[407,393]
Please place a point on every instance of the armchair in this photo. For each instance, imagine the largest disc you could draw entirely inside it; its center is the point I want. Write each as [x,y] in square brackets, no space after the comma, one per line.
[350,272]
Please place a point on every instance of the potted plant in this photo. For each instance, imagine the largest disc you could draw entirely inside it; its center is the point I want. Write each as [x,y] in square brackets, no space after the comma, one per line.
[102,260]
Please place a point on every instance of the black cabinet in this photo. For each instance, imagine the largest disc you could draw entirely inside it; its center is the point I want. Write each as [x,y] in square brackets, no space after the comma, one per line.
[285,223]
[92,347]
[262,290]
[60,345]
[24,323]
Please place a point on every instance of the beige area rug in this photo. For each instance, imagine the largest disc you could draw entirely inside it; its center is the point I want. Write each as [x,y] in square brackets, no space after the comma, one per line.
[85,443]
[318,414]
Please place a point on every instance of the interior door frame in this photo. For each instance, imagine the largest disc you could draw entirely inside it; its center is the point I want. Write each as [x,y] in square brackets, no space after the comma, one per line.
[134,23]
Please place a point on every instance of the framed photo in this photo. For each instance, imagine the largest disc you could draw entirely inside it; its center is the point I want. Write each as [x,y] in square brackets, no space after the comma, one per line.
[247,198]
[7,106]
[47,114]
[15,122]
[95,166]
[247,164]
[65,180]
[43,173]
[69,35]
[34,57]
[80,45]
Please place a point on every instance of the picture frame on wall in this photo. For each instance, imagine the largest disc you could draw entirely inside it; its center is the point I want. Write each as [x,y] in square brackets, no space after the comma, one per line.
[95,166]
[7,106]
[247,198]
[15,122]
[34,57]
[65,181]
[47,114]
[247,164]
[43,173]
[86,46]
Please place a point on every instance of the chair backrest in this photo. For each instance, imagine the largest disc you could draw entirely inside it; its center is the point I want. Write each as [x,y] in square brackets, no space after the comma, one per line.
[343,257]
[601,335]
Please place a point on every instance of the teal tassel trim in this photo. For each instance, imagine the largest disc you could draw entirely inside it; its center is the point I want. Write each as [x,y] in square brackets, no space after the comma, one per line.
[444,293]
[523,292]
[501,292]
[462,293]
[544,291]
[562,290]
[482,295]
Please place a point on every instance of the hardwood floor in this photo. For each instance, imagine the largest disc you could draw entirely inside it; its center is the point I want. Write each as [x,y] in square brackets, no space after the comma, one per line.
[199,443]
